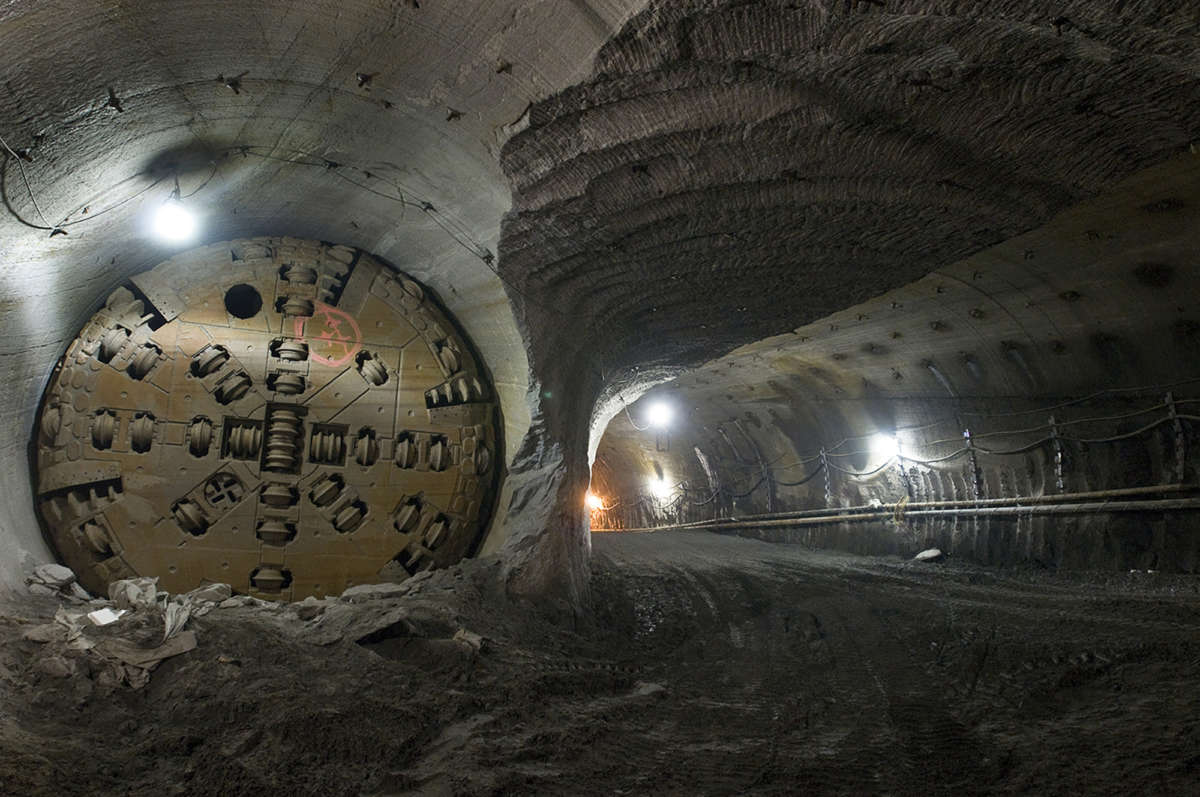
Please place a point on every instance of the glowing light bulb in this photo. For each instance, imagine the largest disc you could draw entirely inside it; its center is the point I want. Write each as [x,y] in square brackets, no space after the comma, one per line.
[659,414]
[594,501]
[885,445]
[174,222]
[660,489]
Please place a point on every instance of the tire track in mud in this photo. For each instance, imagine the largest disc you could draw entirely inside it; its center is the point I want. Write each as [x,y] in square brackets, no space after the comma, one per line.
[840,674]
[807,696]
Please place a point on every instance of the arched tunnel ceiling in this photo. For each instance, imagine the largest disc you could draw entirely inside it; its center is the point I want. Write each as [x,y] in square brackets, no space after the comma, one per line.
[1101,303]
[405,99]
[376,100]
[1102,297]
[734,169]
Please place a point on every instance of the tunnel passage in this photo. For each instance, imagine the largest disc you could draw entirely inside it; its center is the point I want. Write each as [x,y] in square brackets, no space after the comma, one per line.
[666,199]
[734,169]
[286,416]
[1034,403]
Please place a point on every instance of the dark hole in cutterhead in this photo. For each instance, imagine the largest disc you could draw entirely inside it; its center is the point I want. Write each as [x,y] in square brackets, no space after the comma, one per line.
[243,301]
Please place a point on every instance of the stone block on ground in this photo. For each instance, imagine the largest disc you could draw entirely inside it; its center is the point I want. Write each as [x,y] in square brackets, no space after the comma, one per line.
[54,575]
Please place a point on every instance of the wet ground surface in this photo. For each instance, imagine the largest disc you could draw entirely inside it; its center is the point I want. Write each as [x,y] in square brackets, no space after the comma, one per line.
[704,665]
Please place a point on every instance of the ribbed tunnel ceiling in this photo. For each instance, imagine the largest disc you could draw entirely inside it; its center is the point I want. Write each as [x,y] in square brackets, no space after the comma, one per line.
[1092,314]
[734,169]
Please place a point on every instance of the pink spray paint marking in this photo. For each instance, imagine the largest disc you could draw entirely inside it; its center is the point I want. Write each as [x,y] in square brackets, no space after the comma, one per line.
[333,336]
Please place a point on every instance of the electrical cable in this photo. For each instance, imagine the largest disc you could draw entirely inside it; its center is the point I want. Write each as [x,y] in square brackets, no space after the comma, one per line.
[749,492]
[204,183]
[1126,436]
[936,460]
[862,474]
[113,206]
[1012,451]
[798,463]
[1087,398]
[457,232]
[805,480]
[1113,417]
[1135,389]
[708,500]
[630,417]
[983,435]
[829,452]
[28,188]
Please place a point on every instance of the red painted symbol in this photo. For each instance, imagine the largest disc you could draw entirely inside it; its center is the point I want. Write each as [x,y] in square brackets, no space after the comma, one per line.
[333,337]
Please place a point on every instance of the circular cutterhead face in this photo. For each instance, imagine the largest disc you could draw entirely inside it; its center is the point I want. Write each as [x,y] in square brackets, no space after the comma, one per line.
[285,416]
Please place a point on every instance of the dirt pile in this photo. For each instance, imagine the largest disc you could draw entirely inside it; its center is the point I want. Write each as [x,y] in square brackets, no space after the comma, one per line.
[703,665]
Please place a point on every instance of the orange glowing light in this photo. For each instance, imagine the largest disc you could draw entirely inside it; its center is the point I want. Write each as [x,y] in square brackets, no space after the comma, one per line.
[594,501]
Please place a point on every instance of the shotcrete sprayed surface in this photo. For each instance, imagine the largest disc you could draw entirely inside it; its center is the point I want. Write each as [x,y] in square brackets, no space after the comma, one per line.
[703,665]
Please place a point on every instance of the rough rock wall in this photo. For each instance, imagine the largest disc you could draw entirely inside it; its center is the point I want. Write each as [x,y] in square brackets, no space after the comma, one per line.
[736,169]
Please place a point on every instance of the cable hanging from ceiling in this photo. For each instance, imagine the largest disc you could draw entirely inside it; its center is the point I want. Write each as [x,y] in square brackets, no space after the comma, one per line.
[681,490]
[831,449]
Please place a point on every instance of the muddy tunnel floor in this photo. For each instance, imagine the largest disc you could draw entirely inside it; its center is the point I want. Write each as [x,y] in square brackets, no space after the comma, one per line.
[704,665]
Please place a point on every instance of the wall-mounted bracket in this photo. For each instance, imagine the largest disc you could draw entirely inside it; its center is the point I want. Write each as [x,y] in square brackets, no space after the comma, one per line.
[1056,444]
[976,485]
[1180,441]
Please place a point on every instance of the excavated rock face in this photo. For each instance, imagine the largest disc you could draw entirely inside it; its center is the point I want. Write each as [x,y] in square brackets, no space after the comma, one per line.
[734,169]
[284,416]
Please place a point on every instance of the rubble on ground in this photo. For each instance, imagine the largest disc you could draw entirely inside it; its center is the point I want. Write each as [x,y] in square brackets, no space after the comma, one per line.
[365,592]
[55,581]
[118,640]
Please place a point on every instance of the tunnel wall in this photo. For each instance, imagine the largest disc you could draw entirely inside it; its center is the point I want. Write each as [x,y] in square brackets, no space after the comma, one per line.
[1102,444]
[371,124]
[734,169]
[1121,454]
[1089,321]
[690,194]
